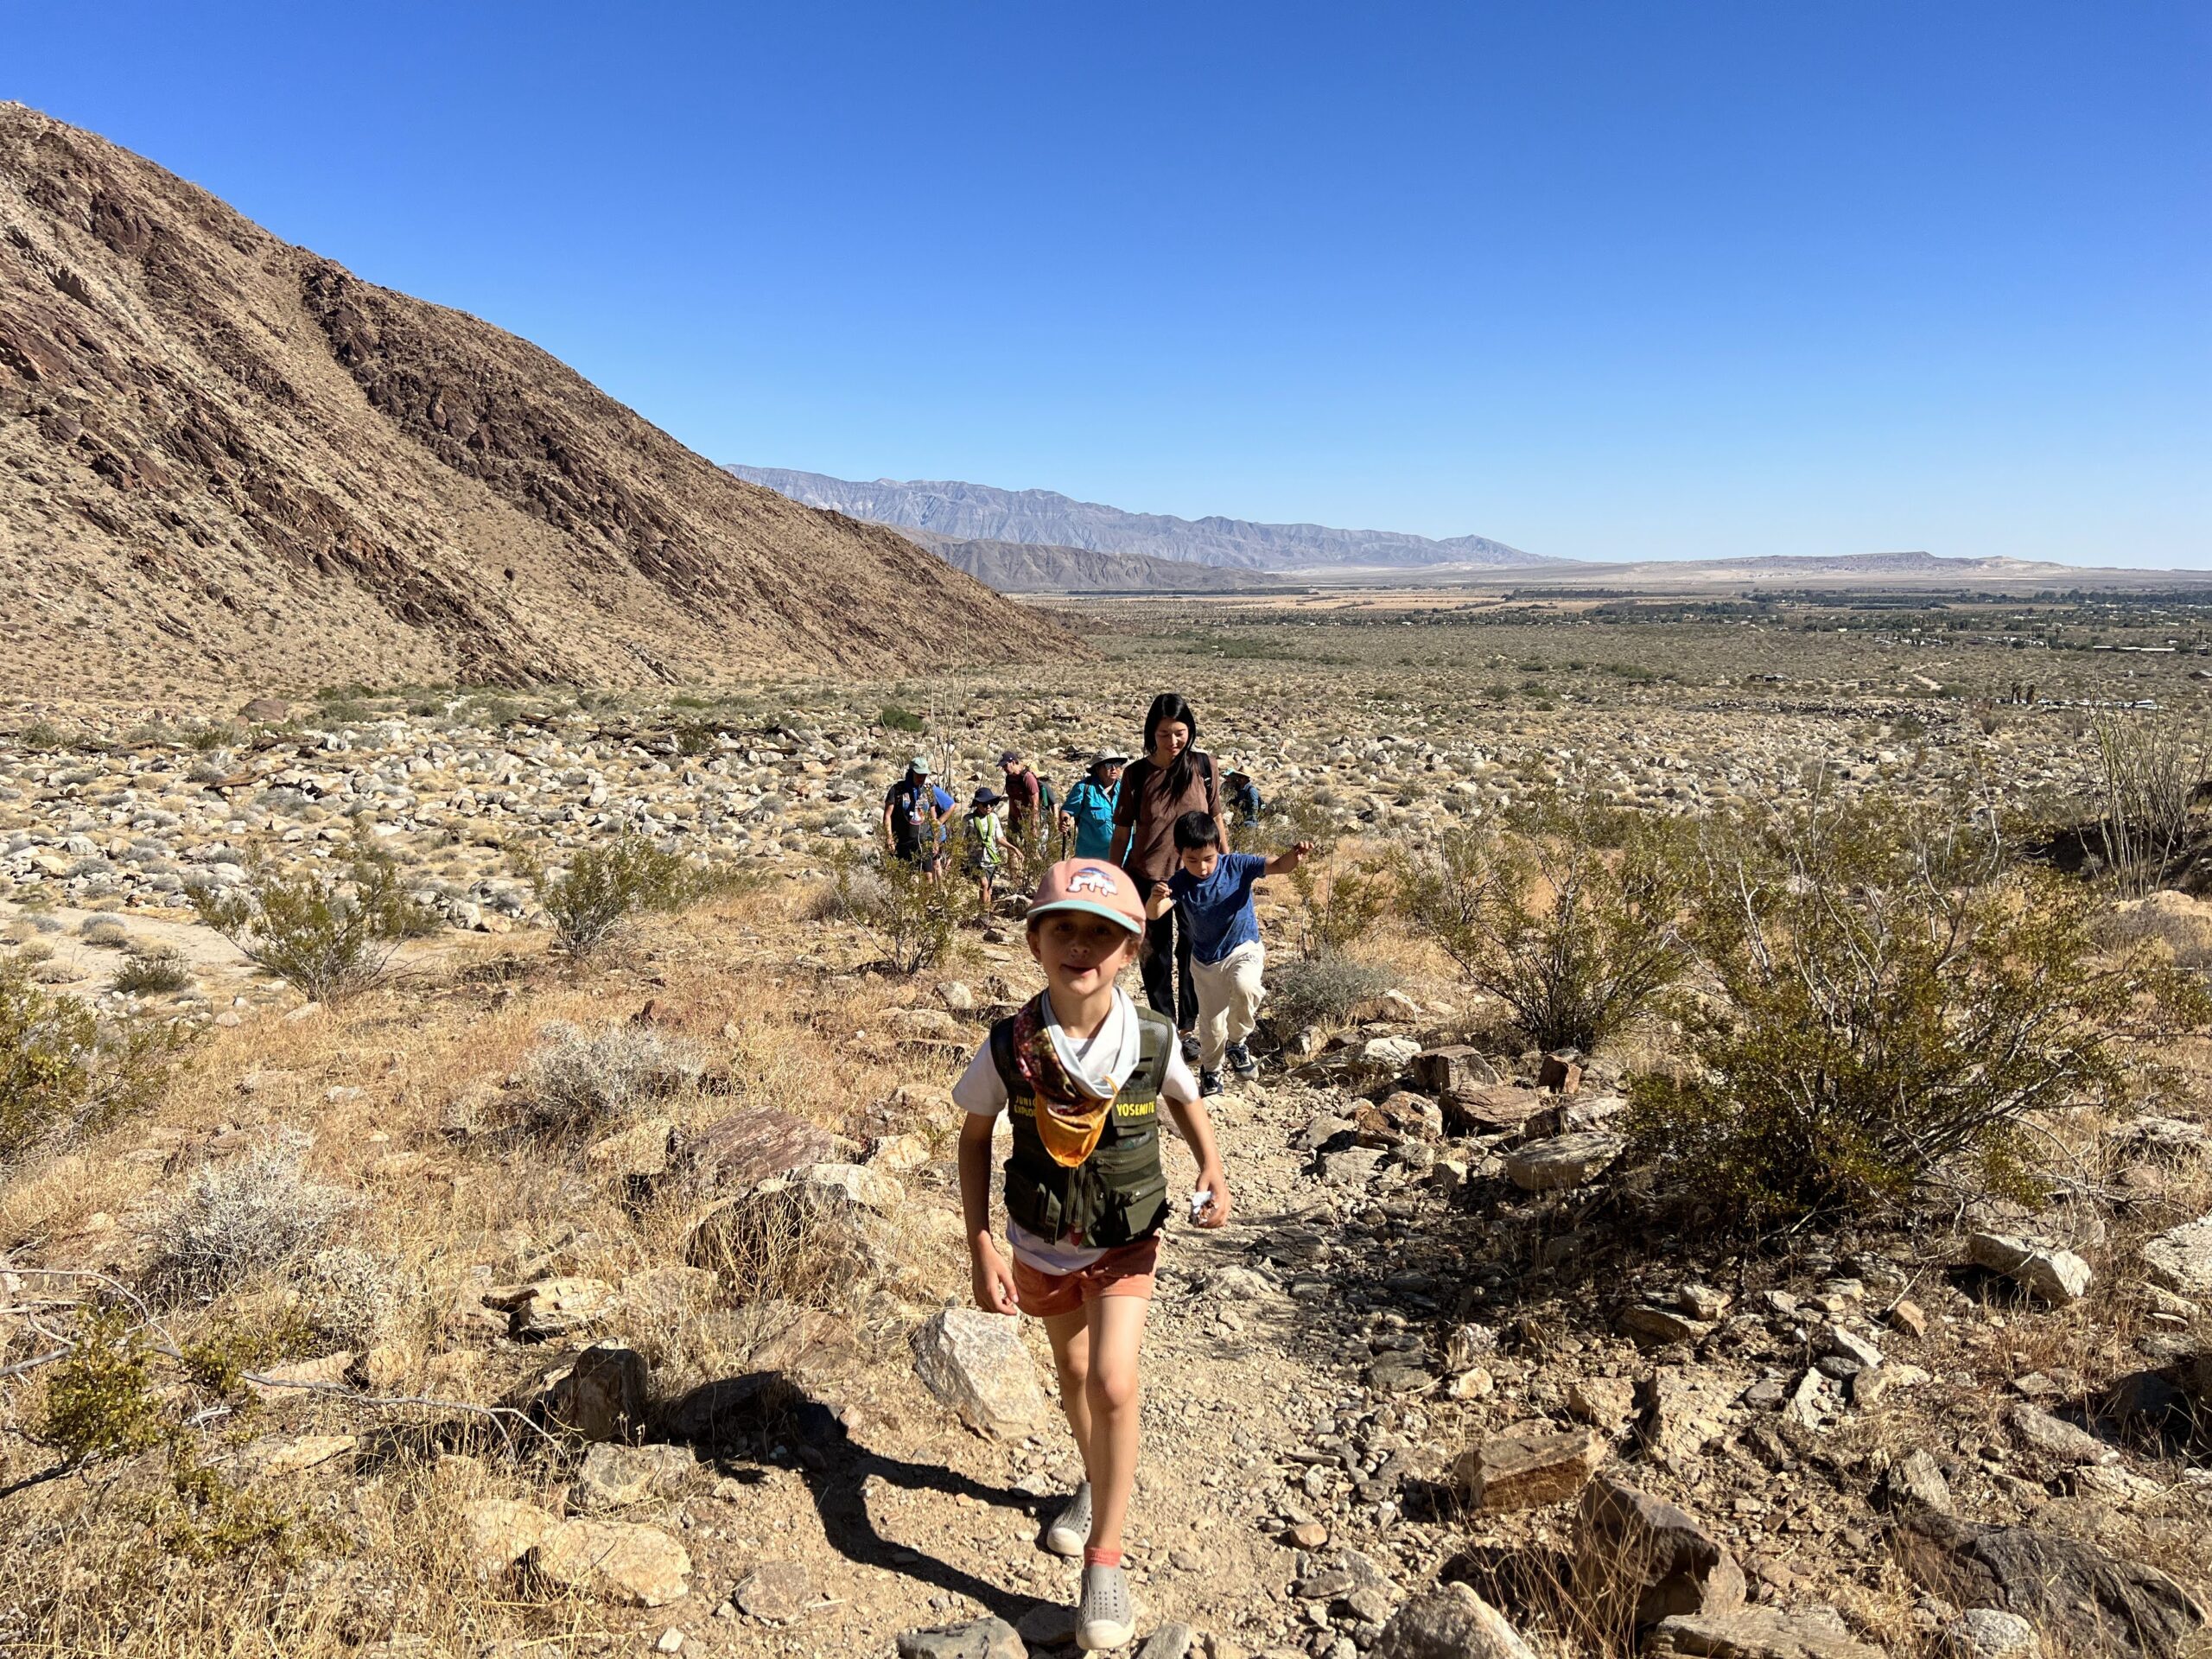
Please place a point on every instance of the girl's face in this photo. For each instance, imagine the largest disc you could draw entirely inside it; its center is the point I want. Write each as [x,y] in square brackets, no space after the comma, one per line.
[1169,739]
[1081,953]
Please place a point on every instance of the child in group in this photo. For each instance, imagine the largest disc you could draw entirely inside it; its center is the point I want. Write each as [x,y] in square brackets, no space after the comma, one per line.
[1083,1071]
[983,837]
[1214,889]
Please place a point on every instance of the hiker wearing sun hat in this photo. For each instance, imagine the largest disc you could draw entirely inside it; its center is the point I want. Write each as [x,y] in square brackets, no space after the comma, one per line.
[1087,811]
[914,812]
[1082,1072]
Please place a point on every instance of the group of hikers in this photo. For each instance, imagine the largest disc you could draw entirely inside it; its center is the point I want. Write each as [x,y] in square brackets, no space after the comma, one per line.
[1147,875]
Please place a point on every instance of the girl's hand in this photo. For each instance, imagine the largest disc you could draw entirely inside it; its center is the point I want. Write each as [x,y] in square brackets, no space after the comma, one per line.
[1217,1213]
[992,1280]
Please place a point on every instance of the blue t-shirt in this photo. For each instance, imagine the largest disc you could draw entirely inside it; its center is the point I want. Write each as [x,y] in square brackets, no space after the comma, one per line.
[1219,908]
[1092,809]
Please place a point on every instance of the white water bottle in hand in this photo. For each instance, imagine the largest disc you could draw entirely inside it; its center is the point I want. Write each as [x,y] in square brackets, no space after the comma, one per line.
[1201,1201]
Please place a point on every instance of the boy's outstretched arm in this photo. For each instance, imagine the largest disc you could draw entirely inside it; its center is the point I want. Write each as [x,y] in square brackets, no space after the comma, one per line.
[1159,903]
[992,1279]
[1284,863]
[1196,1127]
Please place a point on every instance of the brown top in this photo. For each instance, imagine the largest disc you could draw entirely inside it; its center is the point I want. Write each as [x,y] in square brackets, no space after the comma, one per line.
[1145,806]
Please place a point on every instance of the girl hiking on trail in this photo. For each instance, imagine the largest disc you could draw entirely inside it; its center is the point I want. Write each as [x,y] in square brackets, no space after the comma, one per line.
[984,844]
[1171,779]
[1083,1072]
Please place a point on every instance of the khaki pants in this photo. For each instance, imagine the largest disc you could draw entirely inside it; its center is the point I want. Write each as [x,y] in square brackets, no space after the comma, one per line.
[1229,994]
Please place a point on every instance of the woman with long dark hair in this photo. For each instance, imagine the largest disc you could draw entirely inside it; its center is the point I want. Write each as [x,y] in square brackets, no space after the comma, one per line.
[1173,776]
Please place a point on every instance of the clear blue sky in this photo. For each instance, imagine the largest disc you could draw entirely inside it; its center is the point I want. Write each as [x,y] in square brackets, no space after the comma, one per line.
[1633,279]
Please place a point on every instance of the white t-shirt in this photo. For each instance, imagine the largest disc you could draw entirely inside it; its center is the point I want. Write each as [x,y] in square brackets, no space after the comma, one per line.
[982,1092]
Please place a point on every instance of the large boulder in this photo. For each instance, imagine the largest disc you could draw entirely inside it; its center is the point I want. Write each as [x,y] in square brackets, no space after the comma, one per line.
[599,1393]
[614,1476]
[2085,1598]
[2181,1259]
[1529,1465]
[1626,1539]
[616,1562]
[2058,1275]
[1451,1621]
[1757,1633]
[497,1532]
[1452,1072]
[979,1638]
[1564,1161]
[974,1363]
[1683,1409]
[737,1152]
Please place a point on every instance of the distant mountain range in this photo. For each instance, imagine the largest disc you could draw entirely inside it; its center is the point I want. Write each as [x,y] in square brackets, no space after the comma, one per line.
[1041,517]
[1027,567]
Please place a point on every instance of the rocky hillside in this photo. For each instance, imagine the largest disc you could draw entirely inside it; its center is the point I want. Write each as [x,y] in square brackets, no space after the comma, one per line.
[1022,568]
[224,459]
[976,512]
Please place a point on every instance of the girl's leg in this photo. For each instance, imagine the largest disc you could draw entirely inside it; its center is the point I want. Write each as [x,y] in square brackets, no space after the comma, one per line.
[1186,995]
[1117,1335]
[1157,965]
[1070,1335]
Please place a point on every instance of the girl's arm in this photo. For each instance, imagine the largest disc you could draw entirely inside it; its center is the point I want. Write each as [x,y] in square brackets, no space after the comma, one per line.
[1195,1127]
[992,1281]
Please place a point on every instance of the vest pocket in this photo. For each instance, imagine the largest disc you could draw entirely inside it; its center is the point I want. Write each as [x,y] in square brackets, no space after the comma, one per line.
[1032,1204]
[1132,1212]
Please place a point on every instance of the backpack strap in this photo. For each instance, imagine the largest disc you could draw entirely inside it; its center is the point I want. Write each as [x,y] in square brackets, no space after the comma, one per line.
[1003,1057]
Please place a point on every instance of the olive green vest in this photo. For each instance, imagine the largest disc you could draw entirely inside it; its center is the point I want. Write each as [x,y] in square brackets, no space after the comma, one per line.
[1119,1194]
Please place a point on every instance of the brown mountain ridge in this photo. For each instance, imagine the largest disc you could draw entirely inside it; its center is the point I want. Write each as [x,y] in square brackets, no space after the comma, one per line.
[226,461]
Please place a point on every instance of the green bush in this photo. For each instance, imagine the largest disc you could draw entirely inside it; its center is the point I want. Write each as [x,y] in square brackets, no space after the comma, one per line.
[896,719]
[329,940]
[59,1072]
[1567,913]
[915,915]
[156,972]
[608,886]
[1892,1003]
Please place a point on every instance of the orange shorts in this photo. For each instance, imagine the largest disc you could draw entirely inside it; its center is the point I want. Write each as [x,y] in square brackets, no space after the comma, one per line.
[1124,1271]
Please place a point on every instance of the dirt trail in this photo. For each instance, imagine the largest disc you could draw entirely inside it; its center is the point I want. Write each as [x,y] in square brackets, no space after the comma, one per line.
[1252,1363]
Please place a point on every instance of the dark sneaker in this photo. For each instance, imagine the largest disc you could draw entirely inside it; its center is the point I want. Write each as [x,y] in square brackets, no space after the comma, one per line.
[1070,1527]
[1241,1061]
[1105,1617]
[1209,1083]
[1190,1048]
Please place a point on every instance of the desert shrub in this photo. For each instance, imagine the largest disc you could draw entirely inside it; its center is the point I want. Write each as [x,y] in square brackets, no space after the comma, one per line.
[39,735]
[577,1081]
[696,736]
[2181,924]
[1320,990]
[896,719]
[915,915]
[1567,913]
[158,971]
[236,1217]
[103,933]
[349,1295]
[607,886]
[1890,1002]
[2148,772]
[60,1071]
[329,940]
[1340,906]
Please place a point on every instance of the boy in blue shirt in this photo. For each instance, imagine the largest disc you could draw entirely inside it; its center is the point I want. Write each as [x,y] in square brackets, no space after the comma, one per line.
[1214,889]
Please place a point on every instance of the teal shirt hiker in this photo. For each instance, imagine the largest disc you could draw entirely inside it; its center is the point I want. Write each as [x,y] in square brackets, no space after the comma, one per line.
[1092,809]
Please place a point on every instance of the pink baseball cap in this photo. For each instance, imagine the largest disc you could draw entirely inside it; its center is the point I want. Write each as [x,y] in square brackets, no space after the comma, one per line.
[1090,884]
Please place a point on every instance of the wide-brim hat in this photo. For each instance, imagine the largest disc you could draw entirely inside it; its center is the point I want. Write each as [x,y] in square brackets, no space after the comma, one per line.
[1094,887]
[987,797]
[1111,757]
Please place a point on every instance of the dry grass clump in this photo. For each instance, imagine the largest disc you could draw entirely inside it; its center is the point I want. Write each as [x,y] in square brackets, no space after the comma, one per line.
[577,1080]
[350,1294]
[238,1218]
[1320,990]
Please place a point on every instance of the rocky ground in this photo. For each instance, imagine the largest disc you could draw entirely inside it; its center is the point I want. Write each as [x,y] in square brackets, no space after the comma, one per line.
[686,1367]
